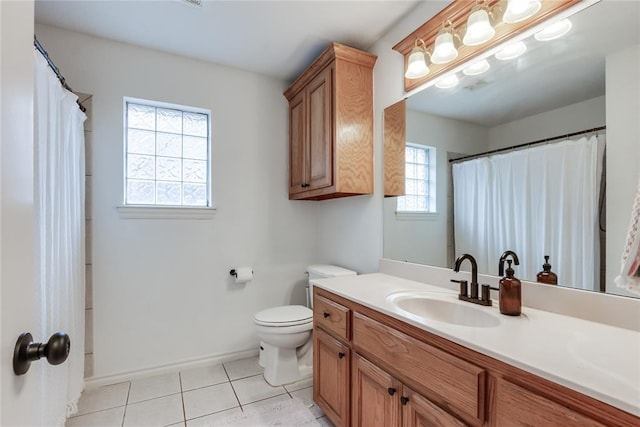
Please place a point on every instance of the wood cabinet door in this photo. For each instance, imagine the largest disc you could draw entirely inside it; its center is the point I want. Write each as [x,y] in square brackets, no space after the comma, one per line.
[417,411]
[331,384]
[319,157]
[395,143]
[375,395]
[297,138]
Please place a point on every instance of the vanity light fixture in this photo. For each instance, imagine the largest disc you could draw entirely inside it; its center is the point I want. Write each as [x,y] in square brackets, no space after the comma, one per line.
[479,28]
[448,82]
[519,10]
[477,68]
[554,31]
[417,64]
[445,49]
[512,51]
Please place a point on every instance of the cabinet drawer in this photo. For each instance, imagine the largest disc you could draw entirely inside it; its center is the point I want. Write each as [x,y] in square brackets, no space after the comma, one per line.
[451,382]
[516,406]
[331,316]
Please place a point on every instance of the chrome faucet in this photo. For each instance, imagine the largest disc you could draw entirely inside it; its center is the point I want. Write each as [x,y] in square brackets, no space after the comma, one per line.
[503,258]
[484,299]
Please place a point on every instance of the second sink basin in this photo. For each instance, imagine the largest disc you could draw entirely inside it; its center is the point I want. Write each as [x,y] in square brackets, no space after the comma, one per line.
[445,308]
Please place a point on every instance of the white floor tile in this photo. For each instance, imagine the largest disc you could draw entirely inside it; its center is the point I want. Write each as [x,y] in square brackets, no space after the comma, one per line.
[306,395]
[203,377]
[155,412]
[152,387]
[208,400]
[255,388]
[106,397]
[268,401]
[299,385]
[324,422]
[243,368]
[106,418]
[214,419]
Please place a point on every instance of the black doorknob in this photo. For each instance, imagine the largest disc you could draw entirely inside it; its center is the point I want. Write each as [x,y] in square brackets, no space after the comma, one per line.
[56,350]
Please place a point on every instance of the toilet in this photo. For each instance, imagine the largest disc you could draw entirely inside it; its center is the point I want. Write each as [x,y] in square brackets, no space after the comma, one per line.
[286,345]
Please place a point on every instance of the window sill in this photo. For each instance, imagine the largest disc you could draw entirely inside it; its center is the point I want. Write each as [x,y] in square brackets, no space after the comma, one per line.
[417,216]
[165,212]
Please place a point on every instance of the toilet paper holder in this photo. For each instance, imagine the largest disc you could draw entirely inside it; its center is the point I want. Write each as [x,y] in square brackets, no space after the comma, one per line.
[234,273]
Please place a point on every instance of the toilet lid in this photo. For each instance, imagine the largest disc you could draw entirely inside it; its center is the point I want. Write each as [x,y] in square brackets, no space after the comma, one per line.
[286,315]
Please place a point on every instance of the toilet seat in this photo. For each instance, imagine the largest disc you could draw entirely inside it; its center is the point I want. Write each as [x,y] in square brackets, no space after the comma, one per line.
[285,315]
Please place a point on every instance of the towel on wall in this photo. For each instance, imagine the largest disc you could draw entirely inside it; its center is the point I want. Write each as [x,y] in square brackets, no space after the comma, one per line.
[629,277]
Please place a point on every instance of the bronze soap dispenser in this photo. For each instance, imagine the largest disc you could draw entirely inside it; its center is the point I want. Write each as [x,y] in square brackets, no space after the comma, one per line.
[510,294]
[546,275]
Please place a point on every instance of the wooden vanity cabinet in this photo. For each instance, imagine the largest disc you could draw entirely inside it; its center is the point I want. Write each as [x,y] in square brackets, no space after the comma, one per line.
[331,126]
[395,374]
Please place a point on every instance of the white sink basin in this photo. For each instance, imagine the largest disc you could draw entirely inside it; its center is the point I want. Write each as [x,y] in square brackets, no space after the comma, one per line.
[445,308]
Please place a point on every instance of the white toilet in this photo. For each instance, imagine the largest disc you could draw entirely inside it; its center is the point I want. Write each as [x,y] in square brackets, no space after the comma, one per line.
[286,345]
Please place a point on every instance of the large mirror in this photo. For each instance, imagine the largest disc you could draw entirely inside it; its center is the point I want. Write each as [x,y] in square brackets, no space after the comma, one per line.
[585,80]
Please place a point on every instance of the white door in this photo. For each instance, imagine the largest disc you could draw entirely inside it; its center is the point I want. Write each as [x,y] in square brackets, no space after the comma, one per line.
[21,397]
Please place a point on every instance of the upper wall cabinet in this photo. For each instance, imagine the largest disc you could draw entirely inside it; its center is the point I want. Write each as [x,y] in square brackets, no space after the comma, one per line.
[331,126]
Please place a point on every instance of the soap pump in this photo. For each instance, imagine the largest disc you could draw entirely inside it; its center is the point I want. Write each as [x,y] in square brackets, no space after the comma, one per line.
[510,293]
[546,275]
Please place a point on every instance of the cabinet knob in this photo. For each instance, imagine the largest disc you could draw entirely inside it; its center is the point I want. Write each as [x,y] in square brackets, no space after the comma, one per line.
[325,314]
[304,185]
[340,355]
[404,400]
[391,391]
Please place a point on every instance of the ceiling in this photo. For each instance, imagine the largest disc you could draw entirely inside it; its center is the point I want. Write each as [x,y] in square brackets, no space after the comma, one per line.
[275,38]
[549,75]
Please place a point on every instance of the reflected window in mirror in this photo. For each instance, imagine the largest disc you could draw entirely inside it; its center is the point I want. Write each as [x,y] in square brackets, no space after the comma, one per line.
[420,180]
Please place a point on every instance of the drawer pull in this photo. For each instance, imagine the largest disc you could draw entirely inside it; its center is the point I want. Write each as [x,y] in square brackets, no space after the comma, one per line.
[391,391]
[404,400]
[326,314]
[340,355]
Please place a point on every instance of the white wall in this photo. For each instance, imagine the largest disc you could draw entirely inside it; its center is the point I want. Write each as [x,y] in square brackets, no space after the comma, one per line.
[572,118]
[161,288]
[423,238]
[351,229]
[623,152]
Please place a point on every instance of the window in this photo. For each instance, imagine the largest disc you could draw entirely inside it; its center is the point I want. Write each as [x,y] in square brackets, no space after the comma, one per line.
[420,180]
[167,155]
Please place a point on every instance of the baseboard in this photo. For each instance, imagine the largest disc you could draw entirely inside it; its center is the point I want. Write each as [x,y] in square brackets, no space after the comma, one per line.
[99,381]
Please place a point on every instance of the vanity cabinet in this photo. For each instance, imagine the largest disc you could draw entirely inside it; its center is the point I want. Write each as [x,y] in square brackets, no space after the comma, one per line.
[331,126]
[371,369]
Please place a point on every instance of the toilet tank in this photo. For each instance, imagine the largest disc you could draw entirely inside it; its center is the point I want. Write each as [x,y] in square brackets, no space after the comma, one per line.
[321,271]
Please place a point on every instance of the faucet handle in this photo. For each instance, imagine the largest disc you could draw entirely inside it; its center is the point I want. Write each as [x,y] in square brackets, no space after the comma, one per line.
[463,287]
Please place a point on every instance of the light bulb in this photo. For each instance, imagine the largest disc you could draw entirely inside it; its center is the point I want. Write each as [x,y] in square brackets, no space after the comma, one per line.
[512,51]
[444,50]
[554,31]
[417,66]
[448,82]
[519,10]
[477,68]
[479,29]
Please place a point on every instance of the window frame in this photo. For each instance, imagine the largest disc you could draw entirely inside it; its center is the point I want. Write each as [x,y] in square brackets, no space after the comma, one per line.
[430,181]
[162,211]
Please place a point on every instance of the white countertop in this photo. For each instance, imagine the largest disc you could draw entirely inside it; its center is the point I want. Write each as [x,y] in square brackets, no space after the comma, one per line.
[598,360]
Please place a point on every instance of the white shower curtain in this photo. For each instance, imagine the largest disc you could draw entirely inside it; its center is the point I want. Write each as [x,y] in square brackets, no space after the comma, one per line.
[59,199]
[537,201]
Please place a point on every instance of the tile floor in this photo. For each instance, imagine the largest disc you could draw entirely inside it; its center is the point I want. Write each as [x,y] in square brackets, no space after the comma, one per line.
[192,398]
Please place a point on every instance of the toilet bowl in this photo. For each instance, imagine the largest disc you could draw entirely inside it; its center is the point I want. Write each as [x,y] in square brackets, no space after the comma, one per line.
[286,345]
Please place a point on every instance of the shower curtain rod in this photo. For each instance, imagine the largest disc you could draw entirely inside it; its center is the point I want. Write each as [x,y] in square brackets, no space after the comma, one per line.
[55,69]
[528,144]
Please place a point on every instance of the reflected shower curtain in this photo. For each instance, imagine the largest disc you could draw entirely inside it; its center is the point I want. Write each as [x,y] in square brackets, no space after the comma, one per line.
[537,201]
[60,251]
